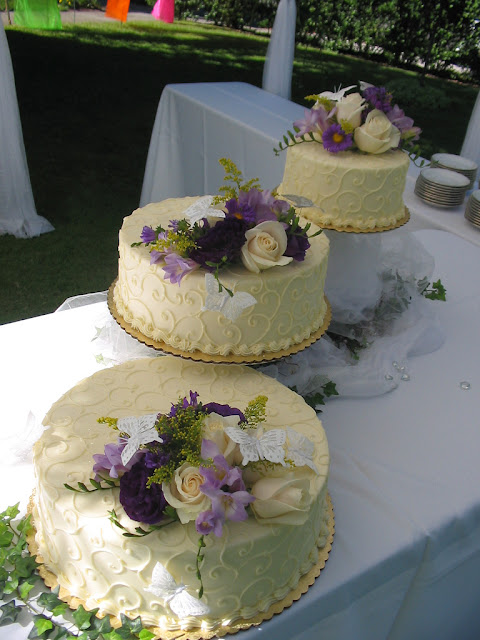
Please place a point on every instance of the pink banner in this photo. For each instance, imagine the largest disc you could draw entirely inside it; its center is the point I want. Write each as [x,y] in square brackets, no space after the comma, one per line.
[164,10]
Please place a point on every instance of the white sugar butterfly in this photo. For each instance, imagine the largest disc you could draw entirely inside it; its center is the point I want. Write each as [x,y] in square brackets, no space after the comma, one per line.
[201,209]
[336,94]
[175,595]
[230,306]
[259,446]
[140,430]
[300,450]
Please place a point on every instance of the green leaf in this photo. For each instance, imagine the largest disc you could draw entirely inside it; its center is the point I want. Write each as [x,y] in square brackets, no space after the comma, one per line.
[41,626]
[145,634]
[25,588]
[82,617]
[25,566]
[133,626]
[10,512]
[10,613]
[6,537]
[99,626]
[330,389]
[51,602]
[113,635]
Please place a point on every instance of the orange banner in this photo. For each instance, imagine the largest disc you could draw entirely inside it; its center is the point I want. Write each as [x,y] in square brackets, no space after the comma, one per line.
[117,9]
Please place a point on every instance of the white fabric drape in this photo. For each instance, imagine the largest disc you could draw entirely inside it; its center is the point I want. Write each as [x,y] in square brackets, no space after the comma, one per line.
[18,215]
[471,143]
[277,72]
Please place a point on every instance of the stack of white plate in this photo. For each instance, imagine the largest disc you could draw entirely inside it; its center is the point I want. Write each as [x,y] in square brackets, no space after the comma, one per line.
[441,187]
[472,210]
[462,165]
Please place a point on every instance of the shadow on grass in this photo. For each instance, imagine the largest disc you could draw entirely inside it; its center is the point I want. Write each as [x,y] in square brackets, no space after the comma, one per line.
[88,96]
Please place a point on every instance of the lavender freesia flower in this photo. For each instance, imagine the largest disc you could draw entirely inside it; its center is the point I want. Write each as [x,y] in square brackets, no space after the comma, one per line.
[316,120]
[335,139]
[207,522]
[176,267]
[111,460]
[261,202]
[221,474]
[148,235]
[404,124]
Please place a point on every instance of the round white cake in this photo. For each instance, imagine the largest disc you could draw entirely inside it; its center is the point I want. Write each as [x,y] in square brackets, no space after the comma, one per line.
[349,188]
[289,308]
[254,564]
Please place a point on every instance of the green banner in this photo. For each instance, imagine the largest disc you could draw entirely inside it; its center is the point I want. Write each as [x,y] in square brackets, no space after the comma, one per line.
[37,14]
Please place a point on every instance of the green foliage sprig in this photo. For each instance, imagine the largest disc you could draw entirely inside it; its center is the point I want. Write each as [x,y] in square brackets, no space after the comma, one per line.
[436,291]
[24,594]
[139,531]
[290,140]
[97,486]
[317,398]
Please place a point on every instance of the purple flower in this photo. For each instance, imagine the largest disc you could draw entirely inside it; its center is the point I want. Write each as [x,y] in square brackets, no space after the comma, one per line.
[223,410]
[224,239]
[156,457]
[335,139]
[231,506]
[241,211]
[378,98]
[221,474]
[148,235]
[173,224]
[261,202]
[111,461]
[176,267]
[315,120]
[141,504]
[193,402]
[297,245]
[404,124]
[207,522]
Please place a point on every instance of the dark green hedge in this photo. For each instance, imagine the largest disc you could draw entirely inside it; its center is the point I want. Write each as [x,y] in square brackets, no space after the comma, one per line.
[438,35]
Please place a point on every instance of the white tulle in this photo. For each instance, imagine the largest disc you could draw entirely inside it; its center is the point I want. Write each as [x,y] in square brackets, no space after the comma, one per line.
[471,143]
[364,273]
[278,68]
[18,215]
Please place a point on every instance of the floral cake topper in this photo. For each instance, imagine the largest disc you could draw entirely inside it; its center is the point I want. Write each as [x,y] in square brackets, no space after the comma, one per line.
[364,120]
[206,464]
[243,225]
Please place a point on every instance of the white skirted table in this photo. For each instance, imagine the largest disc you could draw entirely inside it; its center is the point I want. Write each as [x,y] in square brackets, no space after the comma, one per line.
[405,477]
[199,123]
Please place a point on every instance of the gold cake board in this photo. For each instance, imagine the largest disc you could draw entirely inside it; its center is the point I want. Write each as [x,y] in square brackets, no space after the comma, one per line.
[351,229]
[305,582]
[217,359]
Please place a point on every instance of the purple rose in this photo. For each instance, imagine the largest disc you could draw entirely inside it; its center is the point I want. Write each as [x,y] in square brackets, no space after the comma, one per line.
[141,504]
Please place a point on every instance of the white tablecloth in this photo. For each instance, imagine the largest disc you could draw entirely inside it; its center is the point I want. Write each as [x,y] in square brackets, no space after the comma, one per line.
[199,123]
[405,476]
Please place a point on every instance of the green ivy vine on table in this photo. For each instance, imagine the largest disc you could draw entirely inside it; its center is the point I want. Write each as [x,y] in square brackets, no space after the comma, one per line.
[24,595]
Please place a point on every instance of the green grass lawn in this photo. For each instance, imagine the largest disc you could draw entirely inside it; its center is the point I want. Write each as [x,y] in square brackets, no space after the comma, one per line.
[88,96]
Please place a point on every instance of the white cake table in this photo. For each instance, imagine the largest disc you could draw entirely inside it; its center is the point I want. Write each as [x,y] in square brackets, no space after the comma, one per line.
[199,123]
[405,474]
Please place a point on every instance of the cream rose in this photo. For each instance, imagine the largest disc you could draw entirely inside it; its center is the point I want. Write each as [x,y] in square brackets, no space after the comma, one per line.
[377,134]
[350,108]
[213,429]
[264,247]
[183,493]
[283,500]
